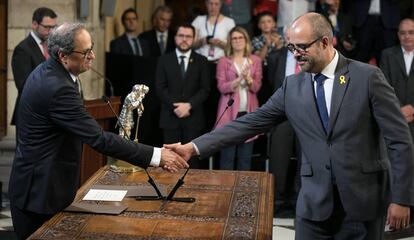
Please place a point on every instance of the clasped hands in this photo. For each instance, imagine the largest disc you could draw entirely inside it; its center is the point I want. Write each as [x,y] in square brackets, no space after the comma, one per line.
[175,156]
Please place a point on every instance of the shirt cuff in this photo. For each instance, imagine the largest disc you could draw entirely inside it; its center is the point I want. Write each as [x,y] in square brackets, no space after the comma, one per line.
[196,149]
[156,157]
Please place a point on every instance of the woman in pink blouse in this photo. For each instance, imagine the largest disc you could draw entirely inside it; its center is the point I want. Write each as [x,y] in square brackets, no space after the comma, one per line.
[239,76]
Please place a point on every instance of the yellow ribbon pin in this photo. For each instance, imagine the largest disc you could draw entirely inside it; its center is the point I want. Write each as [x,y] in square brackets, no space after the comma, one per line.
[342,79]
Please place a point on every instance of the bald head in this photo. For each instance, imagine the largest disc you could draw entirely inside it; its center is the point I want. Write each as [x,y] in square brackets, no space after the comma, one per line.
[310,40]
[315,24]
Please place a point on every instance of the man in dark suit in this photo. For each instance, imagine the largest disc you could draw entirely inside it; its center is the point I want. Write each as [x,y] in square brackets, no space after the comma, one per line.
[128,43]
[352,134]
[53,125]
[397,65]
[282,63]
[375,26]
[32,50]
[160,39]
[183,86]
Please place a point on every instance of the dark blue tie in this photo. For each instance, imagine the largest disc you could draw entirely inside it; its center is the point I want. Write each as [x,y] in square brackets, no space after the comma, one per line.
[182,66]
[320,99]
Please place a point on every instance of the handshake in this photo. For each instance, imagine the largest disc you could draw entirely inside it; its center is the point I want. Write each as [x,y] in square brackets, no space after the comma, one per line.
[175,156]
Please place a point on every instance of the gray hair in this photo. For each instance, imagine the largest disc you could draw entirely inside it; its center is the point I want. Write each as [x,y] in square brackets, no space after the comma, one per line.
[62,39]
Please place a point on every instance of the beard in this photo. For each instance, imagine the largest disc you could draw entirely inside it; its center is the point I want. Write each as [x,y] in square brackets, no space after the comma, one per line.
[184,48]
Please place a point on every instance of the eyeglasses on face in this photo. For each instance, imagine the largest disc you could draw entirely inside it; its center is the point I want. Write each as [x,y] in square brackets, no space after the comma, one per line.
[403,33]
[237,38]
[184,36]
[86,53]
[301,48]
[49,27]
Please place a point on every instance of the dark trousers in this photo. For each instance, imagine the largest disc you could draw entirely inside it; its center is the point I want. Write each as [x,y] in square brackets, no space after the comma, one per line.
[338,227]
[282,149]
[184,136]
[25,222]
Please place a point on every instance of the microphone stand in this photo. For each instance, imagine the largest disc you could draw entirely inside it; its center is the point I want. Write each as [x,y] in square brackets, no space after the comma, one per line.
[151,181]
[170,196]
[111,87]
[229,104]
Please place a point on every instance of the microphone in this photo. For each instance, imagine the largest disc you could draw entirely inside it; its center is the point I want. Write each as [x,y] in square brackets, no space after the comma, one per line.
[179,183]
[229,104]
[111,87]
[106,99]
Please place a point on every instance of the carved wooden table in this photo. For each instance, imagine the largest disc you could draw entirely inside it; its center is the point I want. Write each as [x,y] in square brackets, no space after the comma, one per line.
[229,205]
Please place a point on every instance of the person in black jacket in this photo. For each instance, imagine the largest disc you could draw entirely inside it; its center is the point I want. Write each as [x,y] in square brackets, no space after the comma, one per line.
[182,84]
[129,43]
[160,39]
[53,125]
[32,50]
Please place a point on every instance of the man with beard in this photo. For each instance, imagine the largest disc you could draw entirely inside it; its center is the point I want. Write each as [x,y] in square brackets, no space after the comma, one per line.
[32,51]
[352,134]
[182,84]
[53,125]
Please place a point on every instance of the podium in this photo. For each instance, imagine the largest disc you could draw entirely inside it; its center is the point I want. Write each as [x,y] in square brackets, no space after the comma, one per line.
[91,160]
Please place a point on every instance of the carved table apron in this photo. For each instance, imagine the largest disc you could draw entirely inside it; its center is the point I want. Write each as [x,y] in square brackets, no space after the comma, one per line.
[229,205]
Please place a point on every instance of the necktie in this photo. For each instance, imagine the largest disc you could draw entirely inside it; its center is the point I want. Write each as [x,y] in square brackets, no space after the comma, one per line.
[320,99]
[297,68]
[45,51]
[161,43]
[78,86]
[182,66]
[137,46]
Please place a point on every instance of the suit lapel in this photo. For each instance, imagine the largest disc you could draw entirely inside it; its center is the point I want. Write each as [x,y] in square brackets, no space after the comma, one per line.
[190,66]
[39,55]
[400,59]
[340,86]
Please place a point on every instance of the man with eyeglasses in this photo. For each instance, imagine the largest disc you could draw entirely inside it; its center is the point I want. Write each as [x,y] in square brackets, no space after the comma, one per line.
[182,85]
[397,65]
[32,50]
[53,124]
[357,159]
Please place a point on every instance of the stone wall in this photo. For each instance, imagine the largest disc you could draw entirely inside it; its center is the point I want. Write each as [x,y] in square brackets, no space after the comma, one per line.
[19,25]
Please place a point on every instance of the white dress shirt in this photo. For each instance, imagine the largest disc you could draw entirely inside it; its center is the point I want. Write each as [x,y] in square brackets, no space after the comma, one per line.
[329,72]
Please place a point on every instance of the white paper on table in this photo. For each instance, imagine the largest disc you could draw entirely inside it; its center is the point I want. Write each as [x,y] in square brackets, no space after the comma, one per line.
[105,195]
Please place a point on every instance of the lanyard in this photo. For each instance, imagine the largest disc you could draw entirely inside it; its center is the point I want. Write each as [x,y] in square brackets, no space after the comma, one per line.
[215,25]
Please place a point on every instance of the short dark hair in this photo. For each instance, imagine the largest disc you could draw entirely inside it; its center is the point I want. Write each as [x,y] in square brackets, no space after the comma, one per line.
[129,10]
[42,12]
[185,25]
[263,14]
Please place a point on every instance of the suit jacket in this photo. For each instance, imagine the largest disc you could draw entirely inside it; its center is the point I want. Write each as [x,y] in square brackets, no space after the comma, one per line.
[172,88]
[121,45]
[393,66]
[276,62]
[53,124]
[364,112]
[225,74]
[26,56]
[150,37]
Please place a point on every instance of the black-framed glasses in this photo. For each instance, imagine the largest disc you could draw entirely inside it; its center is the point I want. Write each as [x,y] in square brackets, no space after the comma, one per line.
[85,53]
[49,27]
[301,48]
